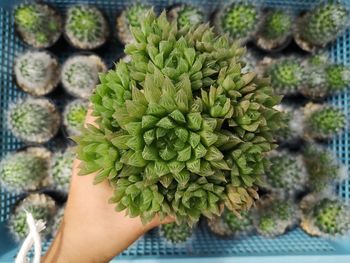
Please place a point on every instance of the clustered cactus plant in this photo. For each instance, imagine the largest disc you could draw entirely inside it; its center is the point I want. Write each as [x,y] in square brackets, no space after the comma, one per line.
[86,27]
[186,15]
[37,72]
[337,77]
[240,20]
[80,74]
[130,17]
[185,130]
[33,120]
[325,216]
[41,206]
[74,116]
[323,121]
[61,167]
[176,233]
[25,170]
[39,25]
[321,25]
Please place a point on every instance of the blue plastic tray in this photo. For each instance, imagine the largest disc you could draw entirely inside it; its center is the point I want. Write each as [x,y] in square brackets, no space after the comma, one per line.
[204,244]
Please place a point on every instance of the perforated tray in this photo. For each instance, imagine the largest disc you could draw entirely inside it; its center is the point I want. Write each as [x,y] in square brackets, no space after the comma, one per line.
[151,246]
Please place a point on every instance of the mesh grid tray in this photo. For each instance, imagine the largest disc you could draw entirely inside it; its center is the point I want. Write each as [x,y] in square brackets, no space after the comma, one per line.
[152,245]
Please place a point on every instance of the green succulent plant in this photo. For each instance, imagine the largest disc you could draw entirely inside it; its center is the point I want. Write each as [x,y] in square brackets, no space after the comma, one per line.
[61,169]
[277,24]
[33,120]
[25,170]
[86,27]
[186,15]
[38,24]
[323,24]
[323,121]
[292,129]
[337,77]
[184,129]
[41,206]
[80,74]
[286,173]
[74,116]
[176,233]
[286,75]
[239,20]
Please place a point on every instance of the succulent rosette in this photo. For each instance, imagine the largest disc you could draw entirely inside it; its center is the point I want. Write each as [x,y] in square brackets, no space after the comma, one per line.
[175,233]
[184,129]
[74,116]
[186,15]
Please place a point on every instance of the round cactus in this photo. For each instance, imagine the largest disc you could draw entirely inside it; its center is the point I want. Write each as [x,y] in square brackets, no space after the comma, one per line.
[187,131]
[186,15]
[325,216]
[37,72]
[176,233]
[275,216]
[25,170]
[33,120]
[61,169]
[130,17]
[41,206]
[86,27]
[80,74]
[337,77]
[323,121]
[229,224]
[240,20]
[321,25]
[286,75]
[275,30]
[286,172]
[74,116]
[38,25]
[322,167]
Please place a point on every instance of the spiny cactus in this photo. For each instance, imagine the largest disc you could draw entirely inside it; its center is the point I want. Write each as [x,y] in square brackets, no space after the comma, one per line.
[187,131]
[74,116]
[275,30]
[41,206]
[325,216]
[33,120]
[323,121]
[322,167]
[25,170]
[337,77]
[86,27]
[230,224]
[80,74]
[176,233]
[61,169]
[275,216]
[186,15]
[321,25]
[240,20]
[38,25]
[37,72]
[286,172]
[130,17]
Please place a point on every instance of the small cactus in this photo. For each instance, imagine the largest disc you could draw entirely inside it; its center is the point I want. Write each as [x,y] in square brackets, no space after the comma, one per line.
[86,27]
[239,20]
[321,25]
[25,170]
[337,77]
[323,121]
[325,216]
[39,25]
[80,74]
[186,15]
[37,72]
[61,169]
[41,206]
[176,233]
[33,120]
[74,116]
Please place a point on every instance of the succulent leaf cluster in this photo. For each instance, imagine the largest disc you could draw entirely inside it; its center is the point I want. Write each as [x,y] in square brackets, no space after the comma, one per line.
[74,116]
[25,170]
[186,15]
[176,233]
[184,129]
[86,27]
[39,25]
[61,167]
[33,120]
